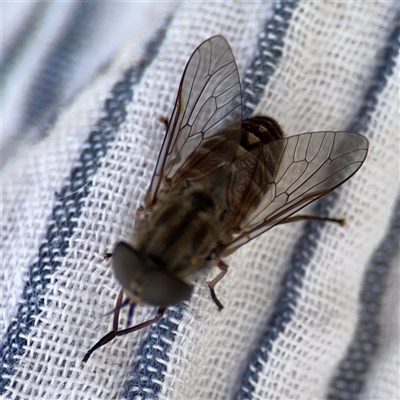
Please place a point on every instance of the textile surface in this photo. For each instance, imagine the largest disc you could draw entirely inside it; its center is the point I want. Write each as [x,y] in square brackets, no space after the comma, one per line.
[311,308]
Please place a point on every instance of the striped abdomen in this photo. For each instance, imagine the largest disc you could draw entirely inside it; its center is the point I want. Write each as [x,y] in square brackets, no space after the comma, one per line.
[252,173]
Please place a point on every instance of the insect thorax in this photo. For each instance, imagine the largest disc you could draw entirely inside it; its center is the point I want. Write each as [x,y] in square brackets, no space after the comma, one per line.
[181,230]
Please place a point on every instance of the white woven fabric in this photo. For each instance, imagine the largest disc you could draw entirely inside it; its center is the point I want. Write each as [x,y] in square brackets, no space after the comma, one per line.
[309,313]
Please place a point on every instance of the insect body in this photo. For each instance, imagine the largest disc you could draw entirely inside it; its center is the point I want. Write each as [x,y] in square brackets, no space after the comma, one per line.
[219,182]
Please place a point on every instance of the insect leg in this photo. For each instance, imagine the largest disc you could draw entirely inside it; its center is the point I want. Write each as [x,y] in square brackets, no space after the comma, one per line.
[115,332]
[110,335]
[224,269]
[340,221]
[142,325]
[165,121]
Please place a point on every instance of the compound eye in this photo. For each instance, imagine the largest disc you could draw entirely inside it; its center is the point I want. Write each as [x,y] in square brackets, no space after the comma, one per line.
[128,268]
[145,281]
[163,289]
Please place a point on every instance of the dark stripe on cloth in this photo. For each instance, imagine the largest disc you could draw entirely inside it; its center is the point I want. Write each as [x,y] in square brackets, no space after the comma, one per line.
[46,92]
[352,374]
[64,216]
[268,54]
[350,378]
[22,38]
[147,377]
[304,250]
[145,381]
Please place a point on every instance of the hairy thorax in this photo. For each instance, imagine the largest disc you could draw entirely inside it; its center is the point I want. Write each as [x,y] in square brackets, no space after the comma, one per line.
[181,231]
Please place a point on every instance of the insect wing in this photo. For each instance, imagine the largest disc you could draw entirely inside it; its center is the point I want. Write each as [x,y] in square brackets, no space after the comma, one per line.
[209,98]
[306,167]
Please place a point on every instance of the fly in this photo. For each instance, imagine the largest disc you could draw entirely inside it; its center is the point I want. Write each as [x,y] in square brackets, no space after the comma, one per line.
[219,182]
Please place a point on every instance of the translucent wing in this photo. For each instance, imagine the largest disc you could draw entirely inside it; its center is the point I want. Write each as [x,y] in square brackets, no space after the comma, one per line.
[209,99]
[304,168]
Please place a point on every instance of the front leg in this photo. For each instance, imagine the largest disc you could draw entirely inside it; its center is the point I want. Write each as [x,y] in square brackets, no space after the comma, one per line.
[224,269]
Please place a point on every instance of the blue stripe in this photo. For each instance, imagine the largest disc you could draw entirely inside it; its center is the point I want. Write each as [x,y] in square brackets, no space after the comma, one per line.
[149,371]
[22,38]
[46,92]
[64,216]
[383,70]
[304,249]
[353,370]
[350,378]
[267,55]
[18,45]
[147,376]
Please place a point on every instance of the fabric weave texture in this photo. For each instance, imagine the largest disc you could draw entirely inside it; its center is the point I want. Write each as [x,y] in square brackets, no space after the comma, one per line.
[311,309]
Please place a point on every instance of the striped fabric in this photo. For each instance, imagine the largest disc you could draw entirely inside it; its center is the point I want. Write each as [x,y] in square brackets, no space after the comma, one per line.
[311,309]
